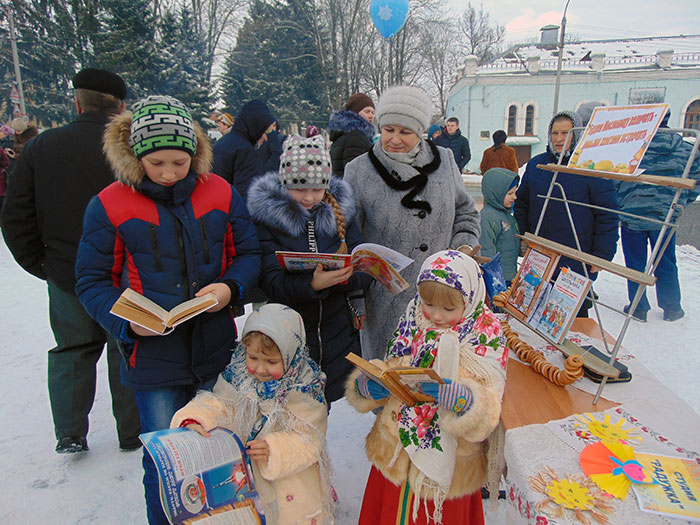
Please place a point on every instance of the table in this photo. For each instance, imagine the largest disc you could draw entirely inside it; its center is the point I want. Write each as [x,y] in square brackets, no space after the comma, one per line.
[547,426]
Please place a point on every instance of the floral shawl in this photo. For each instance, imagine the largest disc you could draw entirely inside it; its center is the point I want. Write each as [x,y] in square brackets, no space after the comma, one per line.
[475,345]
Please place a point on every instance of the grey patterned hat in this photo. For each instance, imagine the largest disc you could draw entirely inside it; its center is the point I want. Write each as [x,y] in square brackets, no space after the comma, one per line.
[305,163]
[160,122]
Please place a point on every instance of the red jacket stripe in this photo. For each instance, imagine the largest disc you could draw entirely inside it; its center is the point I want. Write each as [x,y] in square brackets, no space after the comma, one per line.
[213,196]
[115,198]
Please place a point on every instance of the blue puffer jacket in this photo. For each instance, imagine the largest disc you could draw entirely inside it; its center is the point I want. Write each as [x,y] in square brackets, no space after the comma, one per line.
[282,224]
[667,155]
[597,230]
[459,146]
[166,243]
[235,156]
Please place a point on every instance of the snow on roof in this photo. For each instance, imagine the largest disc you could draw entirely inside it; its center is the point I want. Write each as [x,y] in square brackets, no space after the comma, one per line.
[620,54]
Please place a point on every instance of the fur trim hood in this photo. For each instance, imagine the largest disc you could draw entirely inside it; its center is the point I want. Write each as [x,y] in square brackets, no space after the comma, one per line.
[346,121]
[127,168]
[272,206]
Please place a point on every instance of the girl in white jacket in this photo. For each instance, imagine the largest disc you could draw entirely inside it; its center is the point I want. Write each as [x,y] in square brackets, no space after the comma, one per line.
[271,396]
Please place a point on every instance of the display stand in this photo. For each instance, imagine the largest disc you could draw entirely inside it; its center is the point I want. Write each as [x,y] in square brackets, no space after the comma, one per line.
[643,279]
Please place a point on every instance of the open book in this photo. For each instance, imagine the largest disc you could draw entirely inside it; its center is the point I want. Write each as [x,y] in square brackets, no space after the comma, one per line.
[204,479]
[382,263]
[134,307]
[400,381]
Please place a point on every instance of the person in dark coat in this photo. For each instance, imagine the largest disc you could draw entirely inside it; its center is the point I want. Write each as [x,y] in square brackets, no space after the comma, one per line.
[667,155]
[596,229]
[171,231]
[54,179]
[351,131]
[271,149]
[323,220]
[453,139]
[235,155]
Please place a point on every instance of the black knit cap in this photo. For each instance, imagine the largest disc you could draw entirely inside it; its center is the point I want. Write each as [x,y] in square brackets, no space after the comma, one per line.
[101,81]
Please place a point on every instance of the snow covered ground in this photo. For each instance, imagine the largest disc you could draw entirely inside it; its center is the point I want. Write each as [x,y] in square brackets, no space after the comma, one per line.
[104,485]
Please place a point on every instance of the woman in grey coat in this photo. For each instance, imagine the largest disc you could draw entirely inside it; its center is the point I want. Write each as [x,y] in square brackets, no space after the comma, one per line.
[411,198]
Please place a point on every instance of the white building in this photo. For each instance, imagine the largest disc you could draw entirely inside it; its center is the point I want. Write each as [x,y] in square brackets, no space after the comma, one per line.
[515,92]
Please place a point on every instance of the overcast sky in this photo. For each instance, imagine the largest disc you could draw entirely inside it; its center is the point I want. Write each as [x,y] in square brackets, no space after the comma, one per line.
[592,19]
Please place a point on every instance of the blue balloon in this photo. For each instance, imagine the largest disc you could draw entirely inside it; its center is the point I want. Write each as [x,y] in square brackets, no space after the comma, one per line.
[388,16]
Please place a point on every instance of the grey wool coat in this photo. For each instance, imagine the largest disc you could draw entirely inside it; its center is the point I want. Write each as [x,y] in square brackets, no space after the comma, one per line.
[452,222]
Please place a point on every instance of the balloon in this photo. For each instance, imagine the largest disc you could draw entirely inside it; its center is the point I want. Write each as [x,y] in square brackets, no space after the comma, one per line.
[388,16]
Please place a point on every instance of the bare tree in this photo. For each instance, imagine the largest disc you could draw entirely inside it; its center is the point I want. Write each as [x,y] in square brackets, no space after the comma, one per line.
[442,53]
[481,38]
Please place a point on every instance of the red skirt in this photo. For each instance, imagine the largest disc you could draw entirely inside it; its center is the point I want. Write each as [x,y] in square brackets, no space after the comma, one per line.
[387,504]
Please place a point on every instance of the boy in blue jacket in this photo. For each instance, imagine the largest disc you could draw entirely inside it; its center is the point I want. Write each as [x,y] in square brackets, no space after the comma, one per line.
[498,226]
[171,231]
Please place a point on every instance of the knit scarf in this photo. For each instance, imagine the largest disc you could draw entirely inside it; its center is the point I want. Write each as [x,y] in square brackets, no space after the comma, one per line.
[415,184]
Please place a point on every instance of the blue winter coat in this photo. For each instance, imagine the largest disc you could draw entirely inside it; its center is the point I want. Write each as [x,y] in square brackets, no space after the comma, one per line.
[498,226]
[235,156]
[597,230]
[459,146]
[167,243]
[282,224]
[667,155]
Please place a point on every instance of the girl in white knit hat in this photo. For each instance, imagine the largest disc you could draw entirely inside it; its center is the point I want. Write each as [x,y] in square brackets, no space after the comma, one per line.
[303,209]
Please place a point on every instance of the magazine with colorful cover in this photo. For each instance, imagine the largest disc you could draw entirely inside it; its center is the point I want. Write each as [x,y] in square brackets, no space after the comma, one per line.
[535,270]
[382,263]
[677,491]
[562,305]
[204,479]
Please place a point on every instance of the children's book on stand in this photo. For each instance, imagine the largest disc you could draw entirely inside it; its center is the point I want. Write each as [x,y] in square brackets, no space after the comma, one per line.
[136,308]
[382,263]
[204,479]
[561,305]
[402,382]
[535,271]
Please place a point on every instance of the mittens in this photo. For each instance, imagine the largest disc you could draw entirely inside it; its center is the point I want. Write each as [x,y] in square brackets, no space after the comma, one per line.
[370,389]
[450,396]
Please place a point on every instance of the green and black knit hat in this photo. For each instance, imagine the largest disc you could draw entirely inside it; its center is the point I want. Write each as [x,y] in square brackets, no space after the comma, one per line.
[161,122]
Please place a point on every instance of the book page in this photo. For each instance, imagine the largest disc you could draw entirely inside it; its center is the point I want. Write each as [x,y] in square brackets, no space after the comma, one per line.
[397,260]
[562,304]
[378,268]
[188,309]
[530,276]
[139,302]
[307,261]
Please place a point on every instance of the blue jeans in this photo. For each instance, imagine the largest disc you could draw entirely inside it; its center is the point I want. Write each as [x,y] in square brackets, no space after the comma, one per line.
[668,290]
[157,407]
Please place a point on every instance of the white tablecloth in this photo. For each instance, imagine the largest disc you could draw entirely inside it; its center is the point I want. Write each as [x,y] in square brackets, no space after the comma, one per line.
[657,421]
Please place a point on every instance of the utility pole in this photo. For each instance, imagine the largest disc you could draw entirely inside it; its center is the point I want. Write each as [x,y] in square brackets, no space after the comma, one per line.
[15,58]
[561,56]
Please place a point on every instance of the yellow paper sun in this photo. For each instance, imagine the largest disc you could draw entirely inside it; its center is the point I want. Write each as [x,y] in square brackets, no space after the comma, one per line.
[574,492]
[569,494]
[606,431]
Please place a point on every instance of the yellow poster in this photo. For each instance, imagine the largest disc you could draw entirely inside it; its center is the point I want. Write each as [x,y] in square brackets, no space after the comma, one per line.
[677,491]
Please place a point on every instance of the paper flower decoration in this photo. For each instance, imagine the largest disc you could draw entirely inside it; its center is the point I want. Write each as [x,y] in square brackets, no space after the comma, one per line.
[576,493]
[605,430]
[613,468]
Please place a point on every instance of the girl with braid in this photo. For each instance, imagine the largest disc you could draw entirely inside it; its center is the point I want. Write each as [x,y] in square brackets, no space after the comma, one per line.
[303,209]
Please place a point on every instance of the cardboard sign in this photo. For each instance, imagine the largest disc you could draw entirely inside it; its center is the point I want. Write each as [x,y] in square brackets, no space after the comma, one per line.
[617,137]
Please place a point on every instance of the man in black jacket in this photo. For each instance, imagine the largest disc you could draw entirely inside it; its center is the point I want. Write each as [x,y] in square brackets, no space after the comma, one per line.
[57,174]
[453,139]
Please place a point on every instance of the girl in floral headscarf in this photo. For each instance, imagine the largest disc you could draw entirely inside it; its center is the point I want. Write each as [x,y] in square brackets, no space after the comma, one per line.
[430,460]
[271,396]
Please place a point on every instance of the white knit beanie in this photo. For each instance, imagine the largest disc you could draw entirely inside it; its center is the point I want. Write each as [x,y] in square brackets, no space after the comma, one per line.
[305,163]
[405,106]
